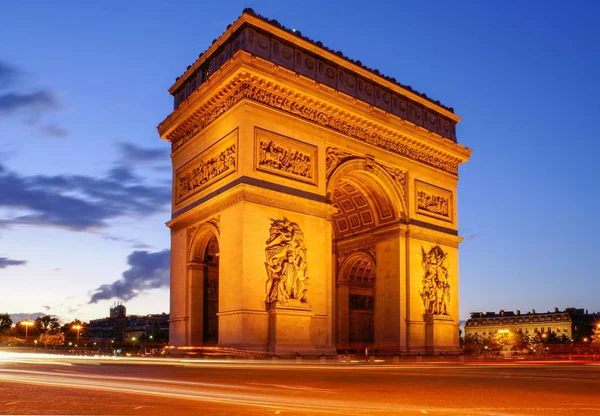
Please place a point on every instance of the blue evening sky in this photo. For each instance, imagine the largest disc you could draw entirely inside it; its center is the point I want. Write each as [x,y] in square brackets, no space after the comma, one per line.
[85,179]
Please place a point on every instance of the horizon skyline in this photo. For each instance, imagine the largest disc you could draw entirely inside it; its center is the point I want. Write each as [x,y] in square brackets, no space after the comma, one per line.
[88,181]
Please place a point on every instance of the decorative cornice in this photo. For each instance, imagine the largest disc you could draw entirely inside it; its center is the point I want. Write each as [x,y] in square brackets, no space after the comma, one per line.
[289,42]
[306,108]
[249,193]
[374,236]
[430,238]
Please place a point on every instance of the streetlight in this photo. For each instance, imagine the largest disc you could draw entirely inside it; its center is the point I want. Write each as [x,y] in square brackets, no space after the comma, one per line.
[26,324]
[77,327]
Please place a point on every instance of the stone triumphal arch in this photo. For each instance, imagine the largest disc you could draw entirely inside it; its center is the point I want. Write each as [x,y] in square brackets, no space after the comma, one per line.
[314,202]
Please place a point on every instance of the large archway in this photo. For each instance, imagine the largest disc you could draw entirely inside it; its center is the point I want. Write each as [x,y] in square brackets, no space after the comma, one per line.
[366,201]
[204,287]
[356,302]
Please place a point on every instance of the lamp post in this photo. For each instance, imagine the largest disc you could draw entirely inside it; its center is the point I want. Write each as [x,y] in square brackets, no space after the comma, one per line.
[77,327]
[26,324]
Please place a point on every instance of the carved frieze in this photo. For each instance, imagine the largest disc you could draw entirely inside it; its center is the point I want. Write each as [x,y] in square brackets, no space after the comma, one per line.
[286,263]
[363,302]
[436,287]
[334,157]
[284,156]
[215,163]
[433,201]
[391,141]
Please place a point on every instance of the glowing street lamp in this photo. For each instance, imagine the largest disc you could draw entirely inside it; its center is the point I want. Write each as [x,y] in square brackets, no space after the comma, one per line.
[77,327]
[26,324]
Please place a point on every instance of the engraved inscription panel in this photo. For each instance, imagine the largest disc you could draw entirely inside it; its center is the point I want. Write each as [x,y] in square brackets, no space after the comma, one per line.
[433,201]
[215,163]
[285,156]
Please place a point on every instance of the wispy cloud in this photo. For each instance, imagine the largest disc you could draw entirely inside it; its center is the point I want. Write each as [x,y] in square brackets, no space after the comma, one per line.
[38,100]
[133,153]
[32,103]
[54,130]
[8,74]
[148,270]
[78,202]
[6,262]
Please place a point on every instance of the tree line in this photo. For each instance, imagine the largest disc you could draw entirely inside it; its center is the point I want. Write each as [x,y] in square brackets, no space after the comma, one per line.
[45,329]
[539,343]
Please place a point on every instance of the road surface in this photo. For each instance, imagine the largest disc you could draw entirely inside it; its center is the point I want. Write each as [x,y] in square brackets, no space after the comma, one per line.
[37,384]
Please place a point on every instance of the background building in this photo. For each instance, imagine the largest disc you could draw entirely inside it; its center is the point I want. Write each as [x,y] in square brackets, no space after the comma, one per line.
[572,323]
[119,328]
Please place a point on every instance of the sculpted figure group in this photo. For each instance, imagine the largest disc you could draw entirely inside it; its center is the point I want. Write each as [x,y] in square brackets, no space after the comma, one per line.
[207,170]
[433,203]
[284,159]
[286,266]
[436,288]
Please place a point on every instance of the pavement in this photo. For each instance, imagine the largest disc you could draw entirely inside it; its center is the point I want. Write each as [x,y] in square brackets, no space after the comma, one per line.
[52,385]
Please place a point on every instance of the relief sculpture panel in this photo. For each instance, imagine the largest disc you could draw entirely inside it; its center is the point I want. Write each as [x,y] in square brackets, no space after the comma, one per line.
[433,201]
[285,156]
[436,286]
[286,265]
[215,163]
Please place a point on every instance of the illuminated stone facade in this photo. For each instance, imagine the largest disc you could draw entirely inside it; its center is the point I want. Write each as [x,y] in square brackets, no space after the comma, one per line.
[327,193]
[573,323]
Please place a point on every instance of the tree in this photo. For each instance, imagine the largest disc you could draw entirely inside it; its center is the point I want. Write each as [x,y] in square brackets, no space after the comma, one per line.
[472,343]
[52,339]
[596,335]
[47,324]
[5,322]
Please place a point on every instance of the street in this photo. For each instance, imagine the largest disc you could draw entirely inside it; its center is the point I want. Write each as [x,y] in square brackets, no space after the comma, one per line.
[45,384]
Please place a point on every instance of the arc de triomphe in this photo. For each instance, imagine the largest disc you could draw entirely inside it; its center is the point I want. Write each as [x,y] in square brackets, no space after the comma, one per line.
[314,202]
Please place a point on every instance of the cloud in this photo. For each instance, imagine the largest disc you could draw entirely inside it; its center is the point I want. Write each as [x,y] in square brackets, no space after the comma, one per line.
[34,103]
[133,242]
[8,75]
[54,130]
[19,316]
[133,153]
[38,100]
[78,202]
[473,236]
[6,262]
[148,270]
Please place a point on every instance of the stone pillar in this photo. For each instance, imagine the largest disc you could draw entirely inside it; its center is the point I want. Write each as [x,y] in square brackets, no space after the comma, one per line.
[196,303]
[440,334]
[343,320]
[387,297]
[290,329]
[179,312]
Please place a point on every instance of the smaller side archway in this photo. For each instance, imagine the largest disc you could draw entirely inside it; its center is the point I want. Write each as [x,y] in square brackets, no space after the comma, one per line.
[203,281]
[355,293]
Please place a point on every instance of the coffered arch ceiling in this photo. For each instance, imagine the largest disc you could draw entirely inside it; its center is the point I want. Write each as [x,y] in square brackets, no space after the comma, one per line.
[360,205]
[361,272]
